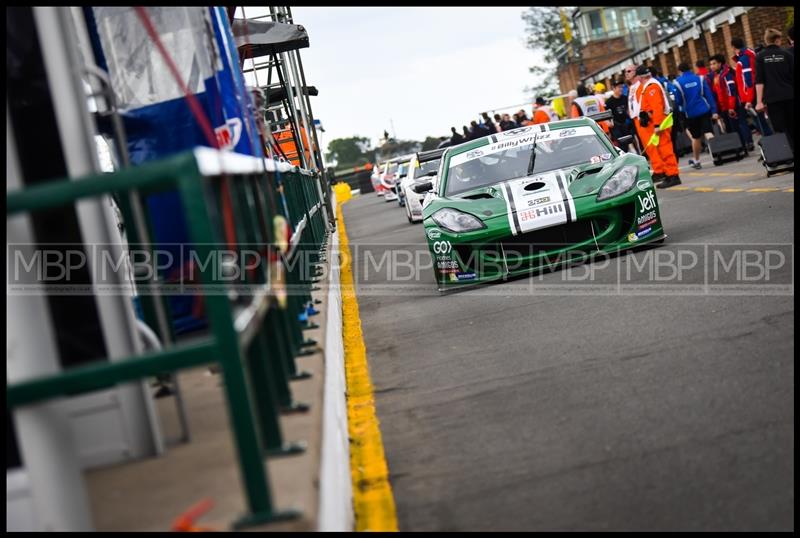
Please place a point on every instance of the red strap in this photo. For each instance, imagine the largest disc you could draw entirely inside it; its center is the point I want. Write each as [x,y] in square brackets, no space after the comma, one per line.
[200,117]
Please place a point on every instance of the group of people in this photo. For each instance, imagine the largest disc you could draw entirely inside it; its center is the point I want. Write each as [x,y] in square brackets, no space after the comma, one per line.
[755,83]
[504,122]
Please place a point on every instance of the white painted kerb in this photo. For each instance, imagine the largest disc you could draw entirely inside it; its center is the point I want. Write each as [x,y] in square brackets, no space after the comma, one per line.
[335,489]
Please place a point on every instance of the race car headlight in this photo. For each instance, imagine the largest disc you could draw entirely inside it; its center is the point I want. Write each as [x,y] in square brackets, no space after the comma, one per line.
[619,183]
[457,221]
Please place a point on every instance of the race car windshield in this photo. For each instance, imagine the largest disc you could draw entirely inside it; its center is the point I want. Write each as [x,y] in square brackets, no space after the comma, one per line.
[496,167]
[429,166]
[392,168]
[402,170]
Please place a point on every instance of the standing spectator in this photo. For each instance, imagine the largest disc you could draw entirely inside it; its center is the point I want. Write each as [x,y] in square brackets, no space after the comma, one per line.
[599,89]
[775,84]
[790,33]
[507,123]
[745,64]
[488,123]
[467,134]
[700,68]
[477,131]
[455,138]
[651,108]
[542,113]
[695,98]
[632,82]
[728,101]
[497,121]
[618,105]
[586,105]
[522,118]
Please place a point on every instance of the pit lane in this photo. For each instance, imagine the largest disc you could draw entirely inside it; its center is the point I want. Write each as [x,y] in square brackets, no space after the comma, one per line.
[633,405]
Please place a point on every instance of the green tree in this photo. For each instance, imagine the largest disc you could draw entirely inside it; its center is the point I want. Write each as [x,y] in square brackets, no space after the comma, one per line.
[544,32]
[431,142]
[670,18]
[396,148]
[349,152]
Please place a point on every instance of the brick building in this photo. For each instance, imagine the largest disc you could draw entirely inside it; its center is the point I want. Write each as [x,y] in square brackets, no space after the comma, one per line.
[602,36]
[705,36]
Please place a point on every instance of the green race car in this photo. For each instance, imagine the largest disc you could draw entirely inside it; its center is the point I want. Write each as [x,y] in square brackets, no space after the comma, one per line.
[503,209]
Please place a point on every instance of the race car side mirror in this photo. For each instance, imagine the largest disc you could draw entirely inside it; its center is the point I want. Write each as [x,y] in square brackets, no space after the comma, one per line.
[420,188]
[627,139]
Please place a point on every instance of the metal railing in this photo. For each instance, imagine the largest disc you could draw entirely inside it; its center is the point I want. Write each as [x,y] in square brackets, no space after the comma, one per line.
[256,329]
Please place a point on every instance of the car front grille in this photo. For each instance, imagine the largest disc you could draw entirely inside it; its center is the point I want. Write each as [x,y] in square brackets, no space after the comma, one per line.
[560,237]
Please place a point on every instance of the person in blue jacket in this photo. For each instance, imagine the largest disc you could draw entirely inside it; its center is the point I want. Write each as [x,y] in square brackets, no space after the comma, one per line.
[695,100]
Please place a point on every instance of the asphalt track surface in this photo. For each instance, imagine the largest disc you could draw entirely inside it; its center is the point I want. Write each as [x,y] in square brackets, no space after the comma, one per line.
[646,405]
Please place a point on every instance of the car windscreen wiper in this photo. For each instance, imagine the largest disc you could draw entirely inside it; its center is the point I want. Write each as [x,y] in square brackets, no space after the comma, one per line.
[533,156]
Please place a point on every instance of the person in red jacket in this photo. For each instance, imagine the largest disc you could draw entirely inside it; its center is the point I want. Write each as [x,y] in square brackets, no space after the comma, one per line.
[728,103]
[744,61]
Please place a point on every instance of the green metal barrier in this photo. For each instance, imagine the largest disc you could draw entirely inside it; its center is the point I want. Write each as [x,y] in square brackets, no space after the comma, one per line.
[254,333]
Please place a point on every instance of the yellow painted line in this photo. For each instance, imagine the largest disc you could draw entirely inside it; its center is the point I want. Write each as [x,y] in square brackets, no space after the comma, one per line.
[704,189]
[718,174]
[696,174]
[744,174]
[789,190]
[731,190]
[373,501]
[764,189]
[679,188]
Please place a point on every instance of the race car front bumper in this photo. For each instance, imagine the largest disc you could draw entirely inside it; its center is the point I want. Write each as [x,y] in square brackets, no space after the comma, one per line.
[490,256]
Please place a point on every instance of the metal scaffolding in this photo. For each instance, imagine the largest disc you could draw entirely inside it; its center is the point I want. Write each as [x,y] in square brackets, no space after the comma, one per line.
[288,96]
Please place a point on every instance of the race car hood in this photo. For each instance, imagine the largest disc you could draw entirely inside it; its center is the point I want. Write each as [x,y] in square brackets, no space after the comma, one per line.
[538,190]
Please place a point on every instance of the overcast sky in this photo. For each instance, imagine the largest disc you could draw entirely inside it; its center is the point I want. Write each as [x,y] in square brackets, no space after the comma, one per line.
[421,69]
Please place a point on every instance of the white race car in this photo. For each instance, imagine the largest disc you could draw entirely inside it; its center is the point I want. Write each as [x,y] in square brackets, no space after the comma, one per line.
[424,167]
[388,178]
[394,170]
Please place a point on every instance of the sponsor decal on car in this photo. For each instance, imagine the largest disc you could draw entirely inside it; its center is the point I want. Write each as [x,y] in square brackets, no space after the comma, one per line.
[635,236]
[648,202]
[595,159]
[450,264]
[605,157]
[646,218]
[434,233]
[517,140]
[516,132]
[643,185]
[442,247]
[650,222]
[538,201]
[465,276]
[530,214]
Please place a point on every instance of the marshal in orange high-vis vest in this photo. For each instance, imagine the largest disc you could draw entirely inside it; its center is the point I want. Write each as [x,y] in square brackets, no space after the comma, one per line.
[650,98]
